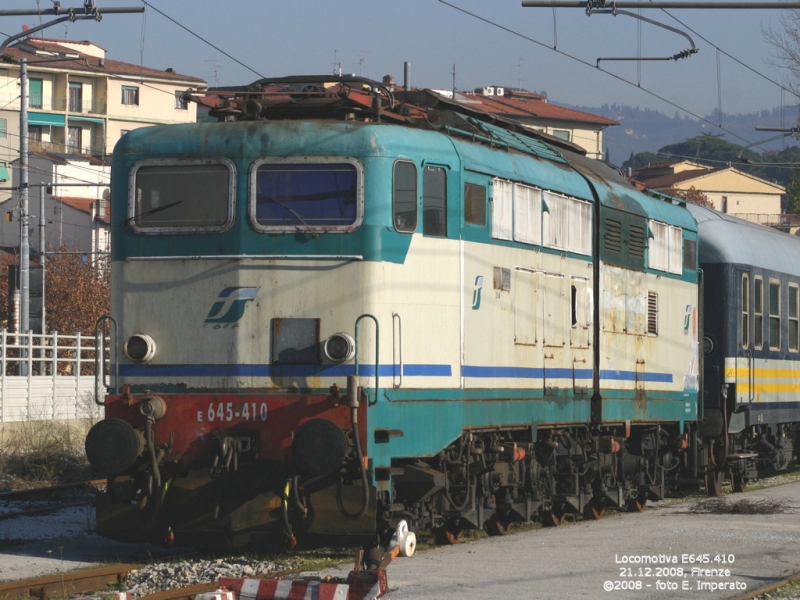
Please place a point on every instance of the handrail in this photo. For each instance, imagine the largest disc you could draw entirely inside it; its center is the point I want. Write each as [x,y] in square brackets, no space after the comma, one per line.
[399,319]
[377,354]
[99,356]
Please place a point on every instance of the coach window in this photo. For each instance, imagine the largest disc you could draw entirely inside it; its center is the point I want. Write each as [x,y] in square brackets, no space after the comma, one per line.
[774,315]
[181,196]
[758,312]
[316,194]
[475,204]
[404,196]
[794,318]
[745,310]
[434,202]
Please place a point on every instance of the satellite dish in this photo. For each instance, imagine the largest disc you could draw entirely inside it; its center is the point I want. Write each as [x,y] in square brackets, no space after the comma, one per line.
[106,194]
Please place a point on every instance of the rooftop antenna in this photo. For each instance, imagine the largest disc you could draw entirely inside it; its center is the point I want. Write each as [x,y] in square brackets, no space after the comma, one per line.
[214,69]
[360,61]
[454,81]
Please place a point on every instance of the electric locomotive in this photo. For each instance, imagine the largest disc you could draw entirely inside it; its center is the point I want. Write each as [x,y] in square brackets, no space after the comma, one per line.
[343,306]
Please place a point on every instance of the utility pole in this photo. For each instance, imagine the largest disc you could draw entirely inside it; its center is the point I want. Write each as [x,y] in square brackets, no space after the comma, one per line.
[89,11]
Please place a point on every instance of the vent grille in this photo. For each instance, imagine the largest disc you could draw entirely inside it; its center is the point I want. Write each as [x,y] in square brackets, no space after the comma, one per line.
[652,313]
[612,236]
[637,244]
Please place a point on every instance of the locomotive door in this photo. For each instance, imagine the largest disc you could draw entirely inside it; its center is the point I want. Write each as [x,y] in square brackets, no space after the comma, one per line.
[555,314]
[581,319]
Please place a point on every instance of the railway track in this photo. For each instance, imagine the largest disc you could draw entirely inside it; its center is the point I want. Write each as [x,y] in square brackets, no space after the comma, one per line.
[32,493]
[64,585]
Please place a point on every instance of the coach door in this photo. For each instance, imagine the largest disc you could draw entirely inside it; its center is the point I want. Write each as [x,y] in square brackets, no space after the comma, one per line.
[750,307]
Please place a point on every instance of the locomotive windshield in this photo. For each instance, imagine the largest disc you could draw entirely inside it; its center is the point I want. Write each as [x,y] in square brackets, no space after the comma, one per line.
[185,197]
[307,196]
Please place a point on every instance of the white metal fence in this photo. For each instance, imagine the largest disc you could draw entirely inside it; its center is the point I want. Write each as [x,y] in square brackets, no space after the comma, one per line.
[47,377]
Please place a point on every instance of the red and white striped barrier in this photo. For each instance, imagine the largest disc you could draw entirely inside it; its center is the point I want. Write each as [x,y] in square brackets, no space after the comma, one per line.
[359,585]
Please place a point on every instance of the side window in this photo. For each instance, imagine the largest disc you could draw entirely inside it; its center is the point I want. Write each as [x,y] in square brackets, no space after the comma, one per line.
[745,310]
[475,204]
[666,250]
[794,318]
[404,196]
[758,312]
[502,209]
[434,202]
[774,315]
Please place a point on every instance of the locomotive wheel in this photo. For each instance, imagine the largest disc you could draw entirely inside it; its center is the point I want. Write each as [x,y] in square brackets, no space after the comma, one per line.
[550,518]
[448,534]
[593,510]
[495,526]
[738,482]
[713,483]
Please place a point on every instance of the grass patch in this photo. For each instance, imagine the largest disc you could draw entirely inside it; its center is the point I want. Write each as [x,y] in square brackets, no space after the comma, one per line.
[43,452]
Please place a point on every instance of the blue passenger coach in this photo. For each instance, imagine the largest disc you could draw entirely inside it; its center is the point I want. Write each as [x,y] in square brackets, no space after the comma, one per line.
[343,306]
[751,343]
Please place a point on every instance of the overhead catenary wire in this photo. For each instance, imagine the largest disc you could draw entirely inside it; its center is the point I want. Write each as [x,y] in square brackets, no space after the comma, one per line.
[202,39]
[596,67]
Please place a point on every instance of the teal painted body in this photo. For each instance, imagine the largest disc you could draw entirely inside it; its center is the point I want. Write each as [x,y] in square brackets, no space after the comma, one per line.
[430,417]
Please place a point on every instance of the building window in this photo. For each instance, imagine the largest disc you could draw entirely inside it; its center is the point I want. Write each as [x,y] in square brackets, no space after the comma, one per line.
[180,101]
[74,139]
[434,201]
[564,134]
[75,96]
[3,128]
[130,94]
[35,133]
[774,315]
[35,95]
[404,197]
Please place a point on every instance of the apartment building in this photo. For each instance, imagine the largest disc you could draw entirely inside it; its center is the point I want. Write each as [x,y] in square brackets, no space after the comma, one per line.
[80,102]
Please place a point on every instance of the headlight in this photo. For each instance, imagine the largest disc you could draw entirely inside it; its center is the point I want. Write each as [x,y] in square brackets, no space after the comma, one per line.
[340,347]
[140,348]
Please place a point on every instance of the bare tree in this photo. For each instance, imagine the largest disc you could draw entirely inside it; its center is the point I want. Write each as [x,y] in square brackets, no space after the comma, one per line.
[76,292]
[692,195]
[785,42]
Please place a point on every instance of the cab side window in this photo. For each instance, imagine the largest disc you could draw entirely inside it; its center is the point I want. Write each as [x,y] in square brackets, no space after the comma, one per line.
[434,202]
[404,196]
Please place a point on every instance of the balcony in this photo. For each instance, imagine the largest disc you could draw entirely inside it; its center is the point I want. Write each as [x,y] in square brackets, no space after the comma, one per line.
[62,148]
[82,107]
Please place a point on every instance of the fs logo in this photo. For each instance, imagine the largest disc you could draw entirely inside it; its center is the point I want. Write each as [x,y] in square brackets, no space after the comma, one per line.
[476,293]
[230,304]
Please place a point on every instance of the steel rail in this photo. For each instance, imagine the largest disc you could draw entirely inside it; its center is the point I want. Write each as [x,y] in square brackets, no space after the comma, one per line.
[43,509]
[52,488]
[769,587]
[62,585]
[666,5]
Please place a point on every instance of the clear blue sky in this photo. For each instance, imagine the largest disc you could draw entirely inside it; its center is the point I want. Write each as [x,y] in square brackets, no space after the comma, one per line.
[375,37]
